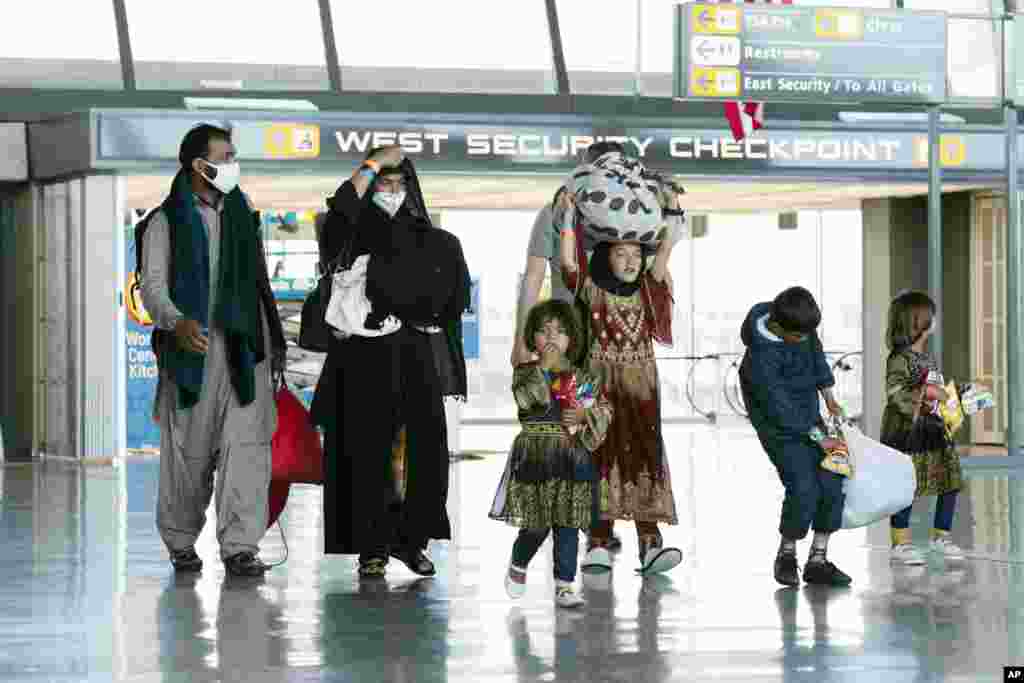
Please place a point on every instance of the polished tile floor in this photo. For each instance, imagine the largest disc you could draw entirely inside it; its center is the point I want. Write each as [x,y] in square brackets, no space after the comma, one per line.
[86,593]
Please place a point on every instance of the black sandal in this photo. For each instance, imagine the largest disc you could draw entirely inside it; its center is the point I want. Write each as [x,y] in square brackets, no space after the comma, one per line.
[416,560]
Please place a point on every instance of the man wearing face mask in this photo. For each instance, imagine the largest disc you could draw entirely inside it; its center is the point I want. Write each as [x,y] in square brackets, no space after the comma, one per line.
[208,288]
[376,391]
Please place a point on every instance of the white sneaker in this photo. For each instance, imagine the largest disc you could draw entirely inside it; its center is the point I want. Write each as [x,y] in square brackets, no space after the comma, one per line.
[946,548]
[515,589]
[907,554]
[565,596]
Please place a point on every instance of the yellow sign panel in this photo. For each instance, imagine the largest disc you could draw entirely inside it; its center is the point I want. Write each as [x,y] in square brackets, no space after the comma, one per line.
[714,82]
[136,311]
[716,19]
[292,141]
[839,24]
[952,150]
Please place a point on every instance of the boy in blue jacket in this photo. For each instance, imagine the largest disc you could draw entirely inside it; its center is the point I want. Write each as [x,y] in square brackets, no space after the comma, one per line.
[782,373]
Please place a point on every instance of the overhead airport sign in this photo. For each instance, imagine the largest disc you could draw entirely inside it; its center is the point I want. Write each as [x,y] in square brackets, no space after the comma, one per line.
[330,143]
[809,54]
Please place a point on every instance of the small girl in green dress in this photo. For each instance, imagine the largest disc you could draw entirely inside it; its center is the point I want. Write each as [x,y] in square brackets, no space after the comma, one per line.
[548,479]
[911,424]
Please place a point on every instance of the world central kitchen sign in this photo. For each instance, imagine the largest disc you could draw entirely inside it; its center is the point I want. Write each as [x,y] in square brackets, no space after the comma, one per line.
[331,143]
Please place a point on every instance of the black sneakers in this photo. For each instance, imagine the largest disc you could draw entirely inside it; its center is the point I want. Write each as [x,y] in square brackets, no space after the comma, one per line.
[186,560]
[245,564]
[824,573]
[786,571]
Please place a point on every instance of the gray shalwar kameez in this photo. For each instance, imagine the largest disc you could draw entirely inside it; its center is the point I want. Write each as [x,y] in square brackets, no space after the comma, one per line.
[217,433]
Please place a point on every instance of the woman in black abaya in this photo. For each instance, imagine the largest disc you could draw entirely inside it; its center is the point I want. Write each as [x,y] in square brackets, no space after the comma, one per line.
[376,390]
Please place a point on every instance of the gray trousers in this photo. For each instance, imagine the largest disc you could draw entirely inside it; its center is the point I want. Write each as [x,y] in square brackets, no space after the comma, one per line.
[217,434]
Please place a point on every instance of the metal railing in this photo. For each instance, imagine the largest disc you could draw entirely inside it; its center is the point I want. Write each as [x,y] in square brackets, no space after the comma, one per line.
[730,391]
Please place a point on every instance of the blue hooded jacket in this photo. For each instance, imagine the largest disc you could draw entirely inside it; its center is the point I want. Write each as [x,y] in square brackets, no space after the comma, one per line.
[780,380]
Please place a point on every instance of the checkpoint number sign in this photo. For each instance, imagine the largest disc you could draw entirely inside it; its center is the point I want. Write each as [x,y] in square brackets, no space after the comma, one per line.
[292,141]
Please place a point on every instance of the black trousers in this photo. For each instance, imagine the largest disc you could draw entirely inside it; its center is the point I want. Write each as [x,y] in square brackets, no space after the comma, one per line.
[384,384]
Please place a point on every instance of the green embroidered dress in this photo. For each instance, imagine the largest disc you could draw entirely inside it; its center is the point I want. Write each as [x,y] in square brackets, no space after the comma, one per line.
[938,471]
[548,478]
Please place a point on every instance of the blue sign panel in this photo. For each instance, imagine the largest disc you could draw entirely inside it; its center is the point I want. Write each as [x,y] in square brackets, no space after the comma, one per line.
[141,371]
[471,325]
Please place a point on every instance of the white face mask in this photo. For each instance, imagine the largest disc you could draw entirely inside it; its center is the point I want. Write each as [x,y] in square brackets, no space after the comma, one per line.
[223,176]
[389,202]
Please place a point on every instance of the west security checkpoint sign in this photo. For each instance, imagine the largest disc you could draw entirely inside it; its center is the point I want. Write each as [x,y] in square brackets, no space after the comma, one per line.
[809,54]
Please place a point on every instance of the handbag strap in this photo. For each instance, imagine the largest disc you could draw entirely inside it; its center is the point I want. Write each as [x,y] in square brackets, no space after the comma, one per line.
[342,257]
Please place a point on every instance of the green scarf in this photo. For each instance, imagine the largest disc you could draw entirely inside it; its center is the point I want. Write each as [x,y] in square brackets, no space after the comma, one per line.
[237,309]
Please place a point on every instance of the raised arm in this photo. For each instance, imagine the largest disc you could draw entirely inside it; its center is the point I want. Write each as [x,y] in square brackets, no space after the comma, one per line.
[567,250]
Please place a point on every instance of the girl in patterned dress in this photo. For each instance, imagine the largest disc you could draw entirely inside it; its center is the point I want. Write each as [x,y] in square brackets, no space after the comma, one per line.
[548,479]
[910,425]
[626,309]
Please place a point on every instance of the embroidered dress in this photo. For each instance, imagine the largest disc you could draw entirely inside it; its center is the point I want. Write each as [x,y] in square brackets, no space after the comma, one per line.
[548,478]
[938,470]
[634,482]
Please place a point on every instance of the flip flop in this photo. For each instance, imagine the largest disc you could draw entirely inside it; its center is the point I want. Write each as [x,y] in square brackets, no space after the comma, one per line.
[660,560]
[597,559]
[373,569]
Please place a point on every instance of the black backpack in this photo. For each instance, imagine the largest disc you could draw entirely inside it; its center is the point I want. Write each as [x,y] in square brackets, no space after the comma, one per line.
[420,277]
[159,339]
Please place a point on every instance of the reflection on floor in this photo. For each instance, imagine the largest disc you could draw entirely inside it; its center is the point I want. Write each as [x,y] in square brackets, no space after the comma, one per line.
[88,595]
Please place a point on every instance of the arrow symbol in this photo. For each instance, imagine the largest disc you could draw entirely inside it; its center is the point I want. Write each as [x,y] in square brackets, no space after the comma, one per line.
[704,81]
[705,19]
[705,48]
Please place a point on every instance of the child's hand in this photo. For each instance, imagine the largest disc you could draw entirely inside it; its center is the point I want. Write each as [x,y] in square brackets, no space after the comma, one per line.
[834,408]
[573,416]
[550,356]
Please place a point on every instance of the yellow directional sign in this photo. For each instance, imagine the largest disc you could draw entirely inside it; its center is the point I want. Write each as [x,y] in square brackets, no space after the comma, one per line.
[715,82]
[839,24]
[716,19]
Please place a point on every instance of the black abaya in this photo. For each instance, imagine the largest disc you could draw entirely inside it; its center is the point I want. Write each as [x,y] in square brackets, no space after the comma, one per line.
[369,389]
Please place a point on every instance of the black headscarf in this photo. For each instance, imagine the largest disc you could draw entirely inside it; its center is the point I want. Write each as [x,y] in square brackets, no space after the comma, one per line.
[602,275]
[414,204]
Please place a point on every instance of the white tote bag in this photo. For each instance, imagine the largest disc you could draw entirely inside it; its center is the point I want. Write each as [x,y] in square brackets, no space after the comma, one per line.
[348,307]
[883,481]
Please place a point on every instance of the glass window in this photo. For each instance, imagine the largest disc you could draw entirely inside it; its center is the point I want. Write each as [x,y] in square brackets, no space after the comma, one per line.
[950,6]
[485,46]
[974,57]
[203,45]
[78,51]
[599,42]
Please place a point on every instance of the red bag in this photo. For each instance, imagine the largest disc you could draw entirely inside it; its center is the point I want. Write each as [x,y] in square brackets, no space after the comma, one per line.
[276,501]
[297,456]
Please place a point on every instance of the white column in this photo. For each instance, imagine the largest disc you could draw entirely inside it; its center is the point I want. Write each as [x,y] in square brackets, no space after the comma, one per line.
[101,357]
[877,231]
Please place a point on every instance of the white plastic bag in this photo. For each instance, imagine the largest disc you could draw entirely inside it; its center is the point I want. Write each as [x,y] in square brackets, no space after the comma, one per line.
[883,481]
[348,307]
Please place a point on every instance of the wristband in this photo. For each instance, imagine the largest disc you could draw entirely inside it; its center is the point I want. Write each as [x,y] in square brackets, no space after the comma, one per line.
[367,172]
[673,212]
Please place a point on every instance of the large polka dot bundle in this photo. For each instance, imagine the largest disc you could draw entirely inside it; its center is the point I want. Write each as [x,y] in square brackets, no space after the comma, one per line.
[618,201]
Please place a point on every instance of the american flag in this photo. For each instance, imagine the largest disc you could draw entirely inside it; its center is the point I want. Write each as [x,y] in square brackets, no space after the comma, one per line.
[746,117]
